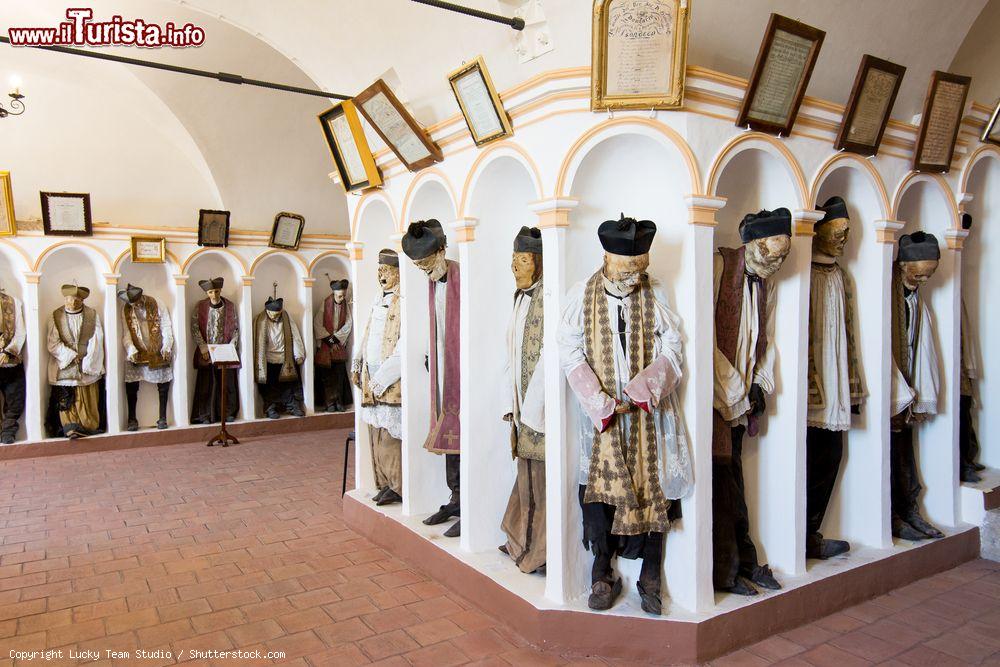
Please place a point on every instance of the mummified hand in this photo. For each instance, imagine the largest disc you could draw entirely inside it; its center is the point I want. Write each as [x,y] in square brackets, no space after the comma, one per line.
[758,403]
[509,417]
[625,408]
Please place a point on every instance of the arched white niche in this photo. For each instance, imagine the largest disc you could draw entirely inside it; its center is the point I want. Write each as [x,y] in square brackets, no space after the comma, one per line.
[326,268]
[12,282]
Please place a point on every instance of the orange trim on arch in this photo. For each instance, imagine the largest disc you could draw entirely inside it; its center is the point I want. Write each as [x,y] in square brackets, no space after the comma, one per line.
[28,264]
[76,244]
[323,255]
[276,251]
[220,251]
[363,203]
[986,150]
[730,150]
[425,175]
[830,166]
[689,158]
[128,251]
[480,161]
[939,180]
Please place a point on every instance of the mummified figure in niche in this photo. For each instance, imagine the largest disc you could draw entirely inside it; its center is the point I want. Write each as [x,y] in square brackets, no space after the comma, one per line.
[76,367]
[332,327]
[620,348]
[148,339]
[524,409]
[915,379]
[744,376]
[968,443]
[278,354]
[12,386]
[836,381]
[214,321]
[376,371]
[424,243]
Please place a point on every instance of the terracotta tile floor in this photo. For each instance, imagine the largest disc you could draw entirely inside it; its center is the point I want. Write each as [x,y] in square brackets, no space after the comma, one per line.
[184,547]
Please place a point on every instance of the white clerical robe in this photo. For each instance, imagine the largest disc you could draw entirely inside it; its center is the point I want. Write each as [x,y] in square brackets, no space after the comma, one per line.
[441,310]
[828,333]
[920,394]
[274,351]
[676,477]
[342,334]
[530,410]
[382,373]
[16,343]
[733,380]
[142,372]
[61,356]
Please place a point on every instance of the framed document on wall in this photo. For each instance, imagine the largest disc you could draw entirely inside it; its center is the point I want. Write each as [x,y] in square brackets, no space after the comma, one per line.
[780,76]
[8,223]
[398,129]
[149,249]
[480,103]
[991,134]
[66,214]
[639,54]
[213,228]
[939,122]
[870,105]
[349,147]
[287,231]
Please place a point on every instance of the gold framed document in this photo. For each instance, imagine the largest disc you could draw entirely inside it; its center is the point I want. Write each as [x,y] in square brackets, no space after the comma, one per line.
[780,76]
[870,105]
[939,122]
[991,133]
[213,228]
[481,105]
[287,231]
[639,54]
[349,147]
[66,214]
[398,129]
[8,223]
[149,249]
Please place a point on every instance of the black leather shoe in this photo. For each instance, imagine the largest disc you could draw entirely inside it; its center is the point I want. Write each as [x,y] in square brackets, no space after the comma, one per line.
[389,497]
[133,425]
[978,467]
[905,531]
[921,524]
[742,587]
[603,595]
[651,603]
[378,496]
[442,515]
[969,475]
[763,577]
[824,549]
[7,438]
[272,413]
[161,424]
[454,530]
[296,411]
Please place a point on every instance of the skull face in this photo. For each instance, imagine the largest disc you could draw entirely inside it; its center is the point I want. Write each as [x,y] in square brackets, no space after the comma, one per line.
[916,273]
[527,269]
[765,256]
[831,237]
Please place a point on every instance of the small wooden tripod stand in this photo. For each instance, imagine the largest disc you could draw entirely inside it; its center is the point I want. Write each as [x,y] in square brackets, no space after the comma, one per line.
[223,437]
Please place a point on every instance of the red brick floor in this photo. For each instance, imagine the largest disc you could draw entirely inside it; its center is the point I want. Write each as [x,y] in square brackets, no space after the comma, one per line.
[185,547]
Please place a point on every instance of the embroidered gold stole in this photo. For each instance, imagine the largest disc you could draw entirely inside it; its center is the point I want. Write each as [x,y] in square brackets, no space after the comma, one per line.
[624,468]
[817,396]
[75,371]
[530,443]
[289,371]
[153,355]
[8,324]
[390,336]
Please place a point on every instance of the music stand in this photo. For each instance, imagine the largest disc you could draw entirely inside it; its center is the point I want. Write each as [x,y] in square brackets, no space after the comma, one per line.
[223,357]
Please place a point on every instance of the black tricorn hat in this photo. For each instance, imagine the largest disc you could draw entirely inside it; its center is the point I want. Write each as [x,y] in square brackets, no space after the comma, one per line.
[834,207]
[388,257]
[130,293]
[214,283]
[274,305]
[766,223]
[423,238]
[529,239]
[338,285]
[918,246]
[627,236]
[966,221]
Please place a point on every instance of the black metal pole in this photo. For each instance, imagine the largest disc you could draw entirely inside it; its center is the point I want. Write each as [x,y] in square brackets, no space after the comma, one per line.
[515,22]
[190,71]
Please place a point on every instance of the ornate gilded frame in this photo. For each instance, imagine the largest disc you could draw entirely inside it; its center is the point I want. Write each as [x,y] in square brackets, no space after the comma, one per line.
[7,202]
[134,246]
[373,178]
[478,65]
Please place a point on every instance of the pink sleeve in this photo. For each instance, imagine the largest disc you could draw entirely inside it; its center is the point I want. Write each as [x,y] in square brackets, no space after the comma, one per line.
[652,383]
[599,406]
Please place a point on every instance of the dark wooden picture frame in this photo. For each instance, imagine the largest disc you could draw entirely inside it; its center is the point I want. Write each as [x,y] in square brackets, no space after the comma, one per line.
[273,243]
[937,78]
[381,88]
[868,64]
[992,127]
[807,32]
[348,110]
[88,223]
[204,222]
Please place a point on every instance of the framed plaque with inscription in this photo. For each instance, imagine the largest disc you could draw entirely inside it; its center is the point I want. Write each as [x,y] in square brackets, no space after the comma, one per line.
[287,231]
[480,103]
[213,228]
[780,76]
[639,54]
[149,249]
[991,133]
[869,106]
[66,214]
[349,148]
[939,122]
[398,129]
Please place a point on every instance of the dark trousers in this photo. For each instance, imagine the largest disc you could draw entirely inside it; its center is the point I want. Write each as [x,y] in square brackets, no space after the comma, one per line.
[452,471]
[968,443]
[12,389]
[734,552]
[598,519]
[824,452]
[904,478]
[281,396]
[207,396]
[132,397]
[336,384]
